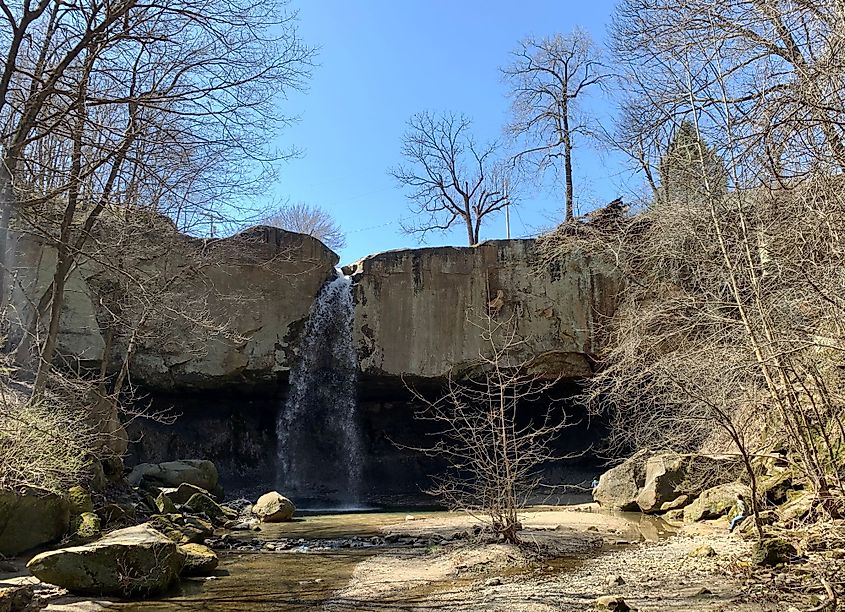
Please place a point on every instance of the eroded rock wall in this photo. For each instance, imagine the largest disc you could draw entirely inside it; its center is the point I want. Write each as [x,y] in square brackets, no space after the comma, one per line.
[227,313]
[415,307]
[412,324]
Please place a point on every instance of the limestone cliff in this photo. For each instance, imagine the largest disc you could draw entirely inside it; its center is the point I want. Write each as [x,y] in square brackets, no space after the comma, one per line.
[412,306]
[226,312]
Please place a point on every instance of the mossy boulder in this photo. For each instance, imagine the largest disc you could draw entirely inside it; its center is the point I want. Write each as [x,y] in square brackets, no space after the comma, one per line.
[165,505]
[132,562]
[80,500]
[200,560]
[715,502]
[200,503]
[31,518]
[182,529]
[86,525]
[273,507]
[772,551]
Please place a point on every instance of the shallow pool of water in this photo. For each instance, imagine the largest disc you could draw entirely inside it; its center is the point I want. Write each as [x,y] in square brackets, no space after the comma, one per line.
[292,580]
[260,582]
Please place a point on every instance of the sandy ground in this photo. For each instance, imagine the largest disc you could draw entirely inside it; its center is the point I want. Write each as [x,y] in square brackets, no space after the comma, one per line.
[650,573]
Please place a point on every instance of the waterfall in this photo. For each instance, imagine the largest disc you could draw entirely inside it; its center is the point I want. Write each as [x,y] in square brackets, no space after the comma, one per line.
[319,438]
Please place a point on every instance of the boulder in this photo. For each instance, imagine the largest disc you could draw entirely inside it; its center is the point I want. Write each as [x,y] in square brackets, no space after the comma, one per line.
[772,551]
[116,513]
[112,468]
[664,476]
[86,525]
[165,505]
[200,560]
[613,603]
[15,597]
[183,492]
[669,476]
[705,550]
[677,503]
[200,503]
[674,516]
[200,473]
[776,487]
[715,502]
[620,486]
[31,518]
[273,507]
[80,500]
[94,476]
[182,529]
[799,505]
[131,562]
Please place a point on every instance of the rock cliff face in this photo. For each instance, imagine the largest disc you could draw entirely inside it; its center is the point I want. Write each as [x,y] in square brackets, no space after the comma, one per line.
[253,290]
[414,308]
[410,325]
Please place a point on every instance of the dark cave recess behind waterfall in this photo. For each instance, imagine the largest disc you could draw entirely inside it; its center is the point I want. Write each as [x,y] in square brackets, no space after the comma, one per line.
[236,429]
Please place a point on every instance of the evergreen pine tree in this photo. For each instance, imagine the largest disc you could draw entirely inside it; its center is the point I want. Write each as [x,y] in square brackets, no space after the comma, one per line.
[690,168]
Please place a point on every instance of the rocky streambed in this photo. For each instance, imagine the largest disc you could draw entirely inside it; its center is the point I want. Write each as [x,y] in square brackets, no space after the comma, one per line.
[374,560]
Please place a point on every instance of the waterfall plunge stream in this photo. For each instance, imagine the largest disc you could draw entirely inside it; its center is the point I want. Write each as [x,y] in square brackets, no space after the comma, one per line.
[319,438]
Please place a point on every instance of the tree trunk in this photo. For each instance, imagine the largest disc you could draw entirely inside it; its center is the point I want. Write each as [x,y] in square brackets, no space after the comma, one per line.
[567,160]
[6,205]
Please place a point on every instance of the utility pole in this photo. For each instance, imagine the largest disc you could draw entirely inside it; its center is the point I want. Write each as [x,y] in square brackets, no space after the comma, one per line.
[507,212]
[508,220]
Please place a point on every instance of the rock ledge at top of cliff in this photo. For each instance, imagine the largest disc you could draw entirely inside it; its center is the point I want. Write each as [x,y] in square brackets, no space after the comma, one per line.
[413,305]
[237,305]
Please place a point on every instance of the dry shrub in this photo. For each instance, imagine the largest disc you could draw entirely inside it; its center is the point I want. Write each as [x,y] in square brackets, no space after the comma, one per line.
[732,321]
[41,445]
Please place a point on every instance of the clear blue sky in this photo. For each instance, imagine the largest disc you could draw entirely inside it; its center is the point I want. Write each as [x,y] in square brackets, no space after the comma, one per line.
[380,62]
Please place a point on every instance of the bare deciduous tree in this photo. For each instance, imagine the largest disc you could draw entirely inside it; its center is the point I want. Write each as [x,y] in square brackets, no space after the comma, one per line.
[120,105]
[308,219]
[549,78]
[771,70]
[730,317]
[449,176]
[493,441]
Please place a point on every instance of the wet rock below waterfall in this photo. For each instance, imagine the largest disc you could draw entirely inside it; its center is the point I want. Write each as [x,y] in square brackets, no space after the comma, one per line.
[131,562]
[273,507]
[200,473]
